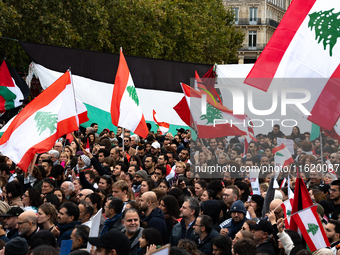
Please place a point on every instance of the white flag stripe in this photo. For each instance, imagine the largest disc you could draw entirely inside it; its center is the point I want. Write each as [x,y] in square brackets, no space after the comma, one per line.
[128,107]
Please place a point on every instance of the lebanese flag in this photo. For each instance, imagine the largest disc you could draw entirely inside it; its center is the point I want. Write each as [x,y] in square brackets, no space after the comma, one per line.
[163,126]
[49,116]
[305,46]
[302,199]
[13,89]
[125,109]
[311,228]
[227,124]
[287,210]
[282,156]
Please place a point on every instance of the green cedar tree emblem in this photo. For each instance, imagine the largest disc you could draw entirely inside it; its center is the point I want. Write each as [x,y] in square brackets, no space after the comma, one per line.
[312,228]
[327,27]
[279,154]
[46,120]
[289,212]
[133,94]
[212,114]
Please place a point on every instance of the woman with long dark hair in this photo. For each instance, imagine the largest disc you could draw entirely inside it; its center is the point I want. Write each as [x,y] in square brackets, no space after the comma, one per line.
[31,199]
[149,236]
[169,205]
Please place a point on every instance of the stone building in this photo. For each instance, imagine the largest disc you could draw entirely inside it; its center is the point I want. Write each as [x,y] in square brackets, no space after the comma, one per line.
[258,19]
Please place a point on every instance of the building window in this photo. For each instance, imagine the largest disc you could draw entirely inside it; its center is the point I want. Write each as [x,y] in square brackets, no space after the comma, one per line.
[235,10]
[252,40]
[252,16]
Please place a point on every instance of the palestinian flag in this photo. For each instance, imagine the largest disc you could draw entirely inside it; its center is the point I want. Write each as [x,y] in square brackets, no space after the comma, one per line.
[218,121]
[13,89]
[163,126]
[125,109]
[305,46]
[49,116]
[157,81]
[311,228]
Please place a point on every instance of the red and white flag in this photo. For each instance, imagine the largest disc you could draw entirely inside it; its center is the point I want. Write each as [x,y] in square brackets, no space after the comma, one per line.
[282,156]
[287,210]
[125,109]
[311,228]
[218,121]
[305,46]
[163,126]
[35,129]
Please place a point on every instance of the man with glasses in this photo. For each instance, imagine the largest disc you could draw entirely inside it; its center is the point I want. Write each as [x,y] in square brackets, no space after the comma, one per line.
[129,150]
[11,221]
[27,225]
[334,158]
[335,197]
[230,195]
[82,194]
[205,232]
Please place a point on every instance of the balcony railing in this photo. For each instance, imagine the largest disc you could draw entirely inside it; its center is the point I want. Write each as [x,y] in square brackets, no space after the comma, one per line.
[269,22]
[258,47]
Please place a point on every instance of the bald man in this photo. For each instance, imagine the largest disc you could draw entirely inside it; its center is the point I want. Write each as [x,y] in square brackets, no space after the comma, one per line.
[276,209]
[82,194]
[27,225]
[153,216]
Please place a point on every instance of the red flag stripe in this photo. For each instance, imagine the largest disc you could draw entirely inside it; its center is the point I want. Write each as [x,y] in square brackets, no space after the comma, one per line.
[328,99]
[121,81]
[269,60]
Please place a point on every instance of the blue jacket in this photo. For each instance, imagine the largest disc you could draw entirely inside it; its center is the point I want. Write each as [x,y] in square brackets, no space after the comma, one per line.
[232,227]
[179,232]
[156,220]
[66,230]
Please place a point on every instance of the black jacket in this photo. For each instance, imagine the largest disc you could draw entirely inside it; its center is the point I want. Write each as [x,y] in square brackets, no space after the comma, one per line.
[205,245]
[156,220]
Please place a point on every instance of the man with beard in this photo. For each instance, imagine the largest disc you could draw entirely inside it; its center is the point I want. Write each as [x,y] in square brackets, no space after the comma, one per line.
[150,163]
[153,216]
[67,219]
[27,225]
[11,221]
[140,176]
[333,233]
[132,229]
[129,150]
[335,197]
[205,233]
[185,229]
[238,216]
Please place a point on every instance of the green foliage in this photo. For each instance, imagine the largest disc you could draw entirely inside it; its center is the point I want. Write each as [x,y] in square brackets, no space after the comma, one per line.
[312,228]
[212,114]
[133,94]
[179,30]
[326,25]
[46,120]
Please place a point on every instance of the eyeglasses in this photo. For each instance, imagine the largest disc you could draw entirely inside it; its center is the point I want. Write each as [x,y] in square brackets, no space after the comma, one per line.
[19,223]
[25,195]
[333,190]
[126,140]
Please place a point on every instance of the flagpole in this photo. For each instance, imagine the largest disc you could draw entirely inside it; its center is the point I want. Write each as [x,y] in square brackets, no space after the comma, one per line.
[123,137]
[74,93]
[321,148]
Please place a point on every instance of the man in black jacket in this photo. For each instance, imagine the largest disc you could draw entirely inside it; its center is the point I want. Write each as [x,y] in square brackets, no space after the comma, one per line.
[113,213]
[205,232]
[153,216]
[262,231]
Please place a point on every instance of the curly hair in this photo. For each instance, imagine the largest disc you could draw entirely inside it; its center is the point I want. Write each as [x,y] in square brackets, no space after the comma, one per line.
[171,205]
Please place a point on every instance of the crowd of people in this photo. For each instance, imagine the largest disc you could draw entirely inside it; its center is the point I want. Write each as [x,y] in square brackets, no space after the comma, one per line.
[151,192]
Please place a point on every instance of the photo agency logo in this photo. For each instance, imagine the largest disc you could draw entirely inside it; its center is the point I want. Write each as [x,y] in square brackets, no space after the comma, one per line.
[280,98]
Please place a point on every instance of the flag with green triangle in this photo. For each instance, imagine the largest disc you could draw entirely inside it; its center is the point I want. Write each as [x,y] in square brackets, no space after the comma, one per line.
[282,156]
